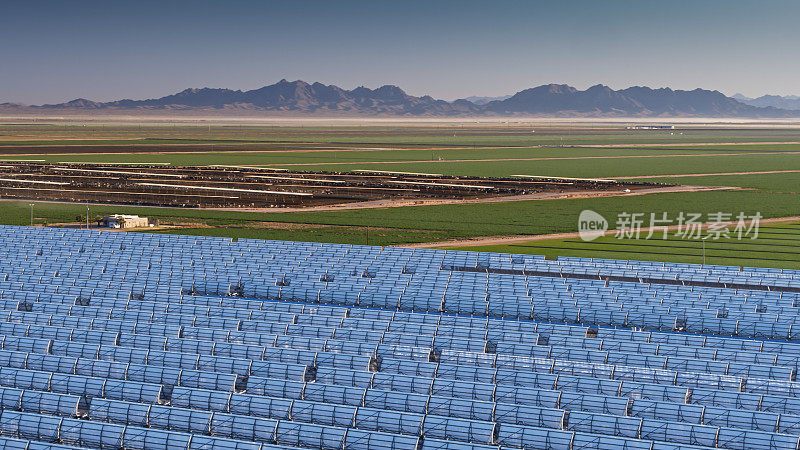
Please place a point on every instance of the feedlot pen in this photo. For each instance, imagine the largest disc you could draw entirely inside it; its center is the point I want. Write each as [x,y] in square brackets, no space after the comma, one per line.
[251,187]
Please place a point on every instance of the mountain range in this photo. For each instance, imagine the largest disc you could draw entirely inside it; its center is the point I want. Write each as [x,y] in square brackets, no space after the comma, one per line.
[479,100]
[790,102]
[559,100]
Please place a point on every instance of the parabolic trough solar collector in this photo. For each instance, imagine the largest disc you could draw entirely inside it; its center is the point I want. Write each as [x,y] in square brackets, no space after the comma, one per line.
[134,340]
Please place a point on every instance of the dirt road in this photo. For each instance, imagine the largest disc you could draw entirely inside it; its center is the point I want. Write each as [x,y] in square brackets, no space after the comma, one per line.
[506,240]
[513,198]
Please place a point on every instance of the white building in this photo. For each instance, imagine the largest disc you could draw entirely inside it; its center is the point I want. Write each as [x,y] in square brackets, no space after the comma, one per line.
[124,221]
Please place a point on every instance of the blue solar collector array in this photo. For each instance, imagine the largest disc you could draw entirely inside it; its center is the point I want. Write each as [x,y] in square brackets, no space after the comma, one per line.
[128,340]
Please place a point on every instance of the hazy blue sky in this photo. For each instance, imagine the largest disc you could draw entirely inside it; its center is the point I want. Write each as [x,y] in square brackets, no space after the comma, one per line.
[102,50]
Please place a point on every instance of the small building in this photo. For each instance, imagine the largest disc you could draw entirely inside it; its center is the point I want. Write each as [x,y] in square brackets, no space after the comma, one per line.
[650,127]
[124,221]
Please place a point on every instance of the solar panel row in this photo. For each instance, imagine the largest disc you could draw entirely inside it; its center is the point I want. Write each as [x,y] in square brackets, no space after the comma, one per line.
[119,340]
